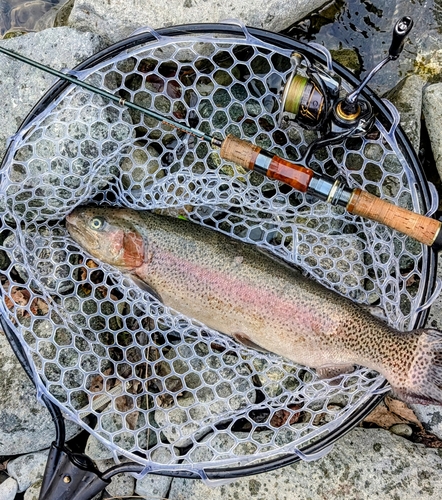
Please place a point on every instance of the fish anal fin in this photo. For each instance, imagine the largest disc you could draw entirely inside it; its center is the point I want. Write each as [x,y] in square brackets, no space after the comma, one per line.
[376,311]
[331,371]
[246,341]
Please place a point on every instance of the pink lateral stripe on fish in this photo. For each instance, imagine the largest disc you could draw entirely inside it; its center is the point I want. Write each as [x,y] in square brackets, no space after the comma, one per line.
[234,288]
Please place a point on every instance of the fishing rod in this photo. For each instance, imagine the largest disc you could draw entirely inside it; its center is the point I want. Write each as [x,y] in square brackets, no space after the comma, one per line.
[311,98]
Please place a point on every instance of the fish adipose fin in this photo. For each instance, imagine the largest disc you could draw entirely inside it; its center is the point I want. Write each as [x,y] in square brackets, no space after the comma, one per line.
[245,340]
[331,371]
[424,381]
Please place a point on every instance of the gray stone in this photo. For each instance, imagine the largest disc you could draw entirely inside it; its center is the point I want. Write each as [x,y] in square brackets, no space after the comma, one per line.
[8,489]
[33,492]
[234,392]
[118,19]
[364,464]
[428,63]
[121,484]
[407,97]
[432,110]
[25,425]
[23,85]
[403,430]
[430,417]
[152,485]
[96,450]
[27,469]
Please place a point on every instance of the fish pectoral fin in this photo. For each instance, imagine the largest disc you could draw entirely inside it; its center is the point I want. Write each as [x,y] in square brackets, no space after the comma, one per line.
[144,286]
[331,371]
[245,340]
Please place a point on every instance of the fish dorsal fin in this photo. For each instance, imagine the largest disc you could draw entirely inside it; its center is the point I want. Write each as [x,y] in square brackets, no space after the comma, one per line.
[331,371]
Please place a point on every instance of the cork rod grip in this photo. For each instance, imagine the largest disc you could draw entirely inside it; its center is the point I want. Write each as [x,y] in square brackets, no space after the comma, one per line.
[252,157]
[421,228]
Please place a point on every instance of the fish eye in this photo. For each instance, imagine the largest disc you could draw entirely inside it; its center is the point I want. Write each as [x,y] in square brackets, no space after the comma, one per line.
[97,223]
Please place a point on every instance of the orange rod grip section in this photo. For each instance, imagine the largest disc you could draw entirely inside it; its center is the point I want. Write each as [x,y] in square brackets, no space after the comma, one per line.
[245,154]
[294,175]
[419,227]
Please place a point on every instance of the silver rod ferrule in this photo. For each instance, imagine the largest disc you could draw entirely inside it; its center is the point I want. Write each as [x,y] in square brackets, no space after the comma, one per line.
[330,190]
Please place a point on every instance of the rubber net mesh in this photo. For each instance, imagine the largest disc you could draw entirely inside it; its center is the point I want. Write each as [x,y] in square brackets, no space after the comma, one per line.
[153,385]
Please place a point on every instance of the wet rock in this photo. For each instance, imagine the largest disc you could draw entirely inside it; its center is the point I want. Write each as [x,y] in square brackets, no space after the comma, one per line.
[118,19]
[8,489]
[366,463]
[432,110]
[407,97]
[58,47]
[27,469]
[348,58]
[23,16]
[25,425]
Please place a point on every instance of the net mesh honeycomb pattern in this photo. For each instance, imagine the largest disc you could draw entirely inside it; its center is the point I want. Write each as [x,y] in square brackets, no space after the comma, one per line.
[151,384]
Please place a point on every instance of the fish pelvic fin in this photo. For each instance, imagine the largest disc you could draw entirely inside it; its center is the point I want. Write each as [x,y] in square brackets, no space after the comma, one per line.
[332,371]
[425,375]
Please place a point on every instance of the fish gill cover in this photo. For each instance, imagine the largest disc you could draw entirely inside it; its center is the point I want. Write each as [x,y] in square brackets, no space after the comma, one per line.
[158,387]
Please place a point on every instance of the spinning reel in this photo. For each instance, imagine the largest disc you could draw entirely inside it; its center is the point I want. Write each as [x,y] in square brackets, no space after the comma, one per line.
[312,97]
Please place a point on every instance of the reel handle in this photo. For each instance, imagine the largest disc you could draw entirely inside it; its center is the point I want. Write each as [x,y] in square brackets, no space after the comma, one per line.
[357,202]
[400,32]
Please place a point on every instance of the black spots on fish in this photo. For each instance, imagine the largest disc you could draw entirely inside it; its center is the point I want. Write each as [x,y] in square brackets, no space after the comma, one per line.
[424,380]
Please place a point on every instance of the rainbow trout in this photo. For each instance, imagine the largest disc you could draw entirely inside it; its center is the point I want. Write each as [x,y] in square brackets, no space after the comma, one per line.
[234,288]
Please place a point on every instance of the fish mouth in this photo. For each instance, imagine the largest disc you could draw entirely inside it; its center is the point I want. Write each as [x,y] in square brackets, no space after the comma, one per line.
[79,233]
[71,224]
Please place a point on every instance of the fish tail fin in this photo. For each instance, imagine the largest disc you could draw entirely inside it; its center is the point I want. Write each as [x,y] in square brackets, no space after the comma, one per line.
[425,375]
